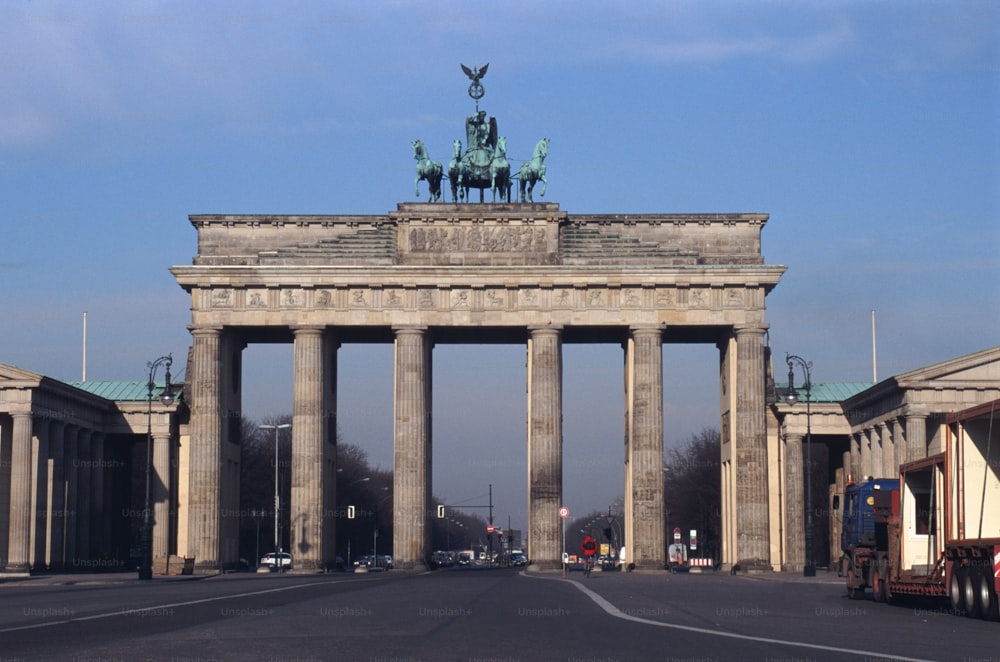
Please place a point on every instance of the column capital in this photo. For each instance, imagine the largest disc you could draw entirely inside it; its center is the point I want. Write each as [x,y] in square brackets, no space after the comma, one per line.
[758,329]
[545,329]
[409,328]
[307,329]
[647,329]
[915,411]
[204,330]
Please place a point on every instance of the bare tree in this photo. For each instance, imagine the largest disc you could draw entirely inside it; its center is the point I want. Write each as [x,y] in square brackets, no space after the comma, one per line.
[692,491]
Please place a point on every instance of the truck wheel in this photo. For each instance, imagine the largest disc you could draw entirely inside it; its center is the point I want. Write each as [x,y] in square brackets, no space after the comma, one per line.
[878,580]
[955,593]
[969,592]
[986,596]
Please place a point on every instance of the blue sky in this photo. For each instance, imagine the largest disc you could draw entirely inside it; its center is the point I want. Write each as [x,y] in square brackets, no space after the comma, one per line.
[867,130]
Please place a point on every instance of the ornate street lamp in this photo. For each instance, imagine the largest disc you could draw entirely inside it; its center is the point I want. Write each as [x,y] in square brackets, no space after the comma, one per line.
[279,563]
[791,397]
[167,398]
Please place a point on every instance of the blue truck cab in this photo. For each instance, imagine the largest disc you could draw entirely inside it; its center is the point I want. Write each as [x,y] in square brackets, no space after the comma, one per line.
[859,519]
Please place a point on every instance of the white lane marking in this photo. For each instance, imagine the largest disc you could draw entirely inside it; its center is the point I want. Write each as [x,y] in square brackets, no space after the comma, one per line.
[617,613]
[125,611]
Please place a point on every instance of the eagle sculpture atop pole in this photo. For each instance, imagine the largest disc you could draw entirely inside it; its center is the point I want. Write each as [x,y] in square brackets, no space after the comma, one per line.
[476,89]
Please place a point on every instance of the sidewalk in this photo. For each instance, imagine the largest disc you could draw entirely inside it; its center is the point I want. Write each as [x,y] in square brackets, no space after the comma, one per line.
[89,579]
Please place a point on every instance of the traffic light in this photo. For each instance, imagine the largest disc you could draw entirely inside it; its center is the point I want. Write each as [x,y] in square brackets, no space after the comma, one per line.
[607,532]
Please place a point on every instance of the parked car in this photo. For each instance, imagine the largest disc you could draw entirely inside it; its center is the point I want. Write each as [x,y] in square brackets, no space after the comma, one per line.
[277,560]
[518,559]
[384,561]
[367,561]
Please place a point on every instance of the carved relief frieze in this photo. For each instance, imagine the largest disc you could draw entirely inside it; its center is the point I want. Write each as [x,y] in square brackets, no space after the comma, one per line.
[222,298]
[495,298]
[597,298]
[256,299]
[698,298]
[563,298]
[460,299]
[324,299]
[426,299]
[360,298]
[631,297]
[528,298]
[392,298]
[666,298]
[291,298]
[734,298]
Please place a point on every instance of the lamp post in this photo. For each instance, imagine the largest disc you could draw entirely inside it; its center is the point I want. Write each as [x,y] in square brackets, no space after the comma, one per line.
[278,560]
[167,398]
[791,397]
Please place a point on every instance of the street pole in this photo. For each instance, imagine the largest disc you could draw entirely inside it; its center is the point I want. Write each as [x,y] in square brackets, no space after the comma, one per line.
[167,398]
[277,498]
[809,569]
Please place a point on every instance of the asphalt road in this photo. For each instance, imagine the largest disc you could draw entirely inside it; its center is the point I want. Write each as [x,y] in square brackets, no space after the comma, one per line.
[474,615]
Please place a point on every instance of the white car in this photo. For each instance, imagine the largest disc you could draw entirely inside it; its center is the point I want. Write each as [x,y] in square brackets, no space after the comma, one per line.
[277,560]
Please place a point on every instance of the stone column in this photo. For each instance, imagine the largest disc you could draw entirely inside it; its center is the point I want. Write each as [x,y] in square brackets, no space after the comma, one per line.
[19,537]
[889,462]
[545,447]
[99,546]
[795,524]
[5,511]
[877,455]
[644,449]
[84,472]
[866,454]
[310,471]
[160,495]
[753,528]
[71,468]
[57,514]
[206,429]
[412,448]
[916,436]
[856,473]
[40,494]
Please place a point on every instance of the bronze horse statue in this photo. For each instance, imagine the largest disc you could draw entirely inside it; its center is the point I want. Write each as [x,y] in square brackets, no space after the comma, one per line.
[534,170]
[427,169]
[500,171]
[455,172]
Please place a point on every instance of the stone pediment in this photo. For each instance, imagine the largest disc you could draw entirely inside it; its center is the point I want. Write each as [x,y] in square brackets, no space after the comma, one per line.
[983,367]
[9,373]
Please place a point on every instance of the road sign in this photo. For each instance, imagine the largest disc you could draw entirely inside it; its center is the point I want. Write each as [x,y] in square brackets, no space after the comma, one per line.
[588,546]
[677,535]
[489,529]
[564,512]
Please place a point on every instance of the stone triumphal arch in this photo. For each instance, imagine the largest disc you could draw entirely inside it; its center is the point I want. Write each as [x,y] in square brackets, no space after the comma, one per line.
[438,273]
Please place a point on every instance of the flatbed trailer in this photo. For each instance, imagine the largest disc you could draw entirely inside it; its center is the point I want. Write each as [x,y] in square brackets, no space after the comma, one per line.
[935,532]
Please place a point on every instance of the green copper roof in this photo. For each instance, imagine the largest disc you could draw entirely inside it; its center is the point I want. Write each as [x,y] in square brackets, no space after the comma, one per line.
[826,392]
[119,391]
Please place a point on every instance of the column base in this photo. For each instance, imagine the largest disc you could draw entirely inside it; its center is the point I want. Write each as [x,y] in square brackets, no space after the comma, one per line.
[8,573]
[751,567]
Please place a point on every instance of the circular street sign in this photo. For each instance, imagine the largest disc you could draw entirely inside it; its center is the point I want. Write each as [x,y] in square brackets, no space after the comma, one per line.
[564,512]
[489,529]
[677,535]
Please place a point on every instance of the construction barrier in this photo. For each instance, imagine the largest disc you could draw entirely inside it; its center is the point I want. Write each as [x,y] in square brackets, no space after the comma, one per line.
[704,563]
